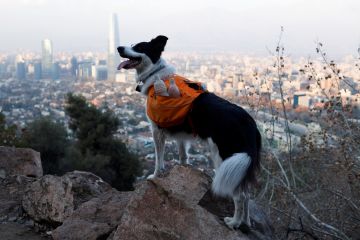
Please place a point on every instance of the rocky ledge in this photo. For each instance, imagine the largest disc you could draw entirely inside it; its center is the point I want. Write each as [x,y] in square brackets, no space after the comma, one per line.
[80,205]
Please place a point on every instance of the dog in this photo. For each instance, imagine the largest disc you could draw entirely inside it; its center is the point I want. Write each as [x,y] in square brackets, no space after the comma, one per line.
[231,133]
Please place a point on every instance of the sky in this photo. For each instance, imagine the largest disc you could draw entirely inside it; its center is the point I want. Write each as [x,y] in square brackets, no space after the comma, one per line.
[235,26]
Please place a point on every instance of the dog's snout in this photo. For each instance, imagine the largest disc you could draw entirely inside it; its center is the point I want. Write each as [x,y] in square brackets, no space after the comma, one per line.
[121,49]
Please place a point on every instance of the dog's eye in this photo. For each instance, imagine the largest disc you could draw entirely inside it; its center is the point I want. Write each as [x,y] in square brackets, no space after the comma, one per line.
[140,47]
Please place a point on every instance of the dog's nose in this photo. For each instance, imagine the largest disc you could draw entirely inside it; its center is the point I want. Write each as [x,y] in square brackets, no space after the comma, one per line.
[120,49]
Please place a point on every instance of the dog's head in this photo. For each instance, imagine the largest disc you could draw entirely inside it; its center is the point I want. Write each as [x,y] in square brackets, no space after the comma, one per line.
[143,55]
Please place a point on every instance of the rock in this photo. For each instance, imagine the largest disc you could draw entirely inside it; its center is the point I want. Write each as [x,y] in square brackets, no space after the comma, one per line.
[20,161]
[2,173]
[166,208]
[80,205]
[11,191]
[184,183]
[94,219]
[221,207]
[262,227]
[15,231]
[82,229]
[85,186]
[51,199]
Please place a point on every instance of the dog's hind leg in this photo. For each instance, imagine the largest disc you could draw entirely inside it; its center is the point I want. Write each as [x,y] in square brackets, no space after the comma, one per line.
[235,221]
[159,141]
[183,147]
[245,218]
[227,182]
[240,221]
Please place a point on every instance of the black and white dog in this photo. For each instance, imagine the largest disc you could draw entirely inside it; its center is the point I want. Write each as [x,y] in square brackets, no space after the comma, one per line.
[230,131]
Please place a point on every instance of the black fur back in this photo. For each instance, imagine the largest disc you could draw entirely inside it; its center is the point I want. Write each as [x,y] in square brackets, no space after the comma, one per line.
[230,127]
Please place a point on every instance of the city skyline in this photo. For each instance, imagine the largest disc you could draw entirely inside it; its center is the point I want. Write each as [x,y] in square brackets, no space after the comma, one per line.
[246,27]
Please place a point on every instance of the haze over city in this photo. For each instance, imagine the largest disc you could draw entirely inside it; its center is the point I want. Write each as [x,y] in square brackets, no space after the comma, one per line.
[246,27]
[265,84]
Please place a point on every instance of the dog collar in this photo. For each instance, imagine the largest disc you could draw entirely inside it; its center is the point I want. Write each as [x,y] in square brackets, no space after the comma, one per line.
[141,82]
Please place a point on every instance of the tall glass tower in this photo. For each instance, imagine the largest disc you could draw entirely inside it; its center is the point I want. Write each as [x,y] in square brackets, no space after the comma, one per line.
[47,56]
[113,43]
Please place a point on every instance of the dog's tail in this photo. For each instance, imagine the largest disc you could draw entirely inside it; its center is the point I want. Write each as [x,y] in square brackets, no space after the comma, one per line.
[230,174]
[238,171]
[255,162]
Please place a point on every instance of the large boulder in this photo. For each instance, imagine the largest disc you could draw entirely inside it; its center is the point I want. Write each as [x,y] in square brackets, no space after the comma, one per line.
[16,231]
[94,219]
[51,199]
[20,161]
[178,205]
[167,208]
[222,207]
[85,186]
[12,189]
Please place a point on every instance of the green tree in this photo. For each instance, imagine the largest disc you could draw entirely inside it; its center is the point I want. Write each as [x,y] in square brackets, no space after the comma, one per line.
[8,133]
[96,149]
[50,139]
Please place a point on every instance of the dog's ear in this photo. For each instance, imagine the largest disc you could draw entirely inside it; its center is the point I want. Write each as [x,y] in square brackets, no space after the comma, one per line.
[157,46]
[159,42]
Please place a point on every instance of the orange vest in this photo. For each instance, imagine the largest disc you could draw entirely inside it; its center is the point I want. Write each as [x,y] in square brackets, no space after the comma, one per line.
[169,111]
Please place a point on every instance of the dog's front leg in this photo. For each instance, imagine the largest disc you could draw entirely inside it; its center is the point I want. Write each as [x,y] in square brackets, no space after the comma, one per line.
[183,156]
[159,141]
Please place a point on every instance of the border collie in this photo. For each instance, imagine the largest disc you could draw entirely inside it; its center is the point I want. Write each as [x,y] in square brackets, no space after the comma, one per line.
[231,133]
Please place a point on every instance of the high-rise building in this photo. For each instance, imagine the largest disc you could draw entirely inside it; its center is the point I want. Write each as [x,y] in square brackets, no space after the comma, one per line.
[20,71]
[37,71]
[100,73]
[47,56]
[2,69]
[55,71]
[85,70]
[113,43]
[74,66]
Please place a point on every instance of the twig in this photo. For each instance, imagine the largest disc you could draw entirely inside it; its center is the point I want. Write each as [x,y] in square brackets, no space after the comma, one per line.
[319,49]
[330,228]
[280,66]
[342,196]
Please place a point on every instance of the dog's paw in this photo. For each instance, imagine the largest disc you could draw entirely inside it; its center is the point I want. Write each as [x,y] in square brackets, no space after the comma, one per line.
[232,223]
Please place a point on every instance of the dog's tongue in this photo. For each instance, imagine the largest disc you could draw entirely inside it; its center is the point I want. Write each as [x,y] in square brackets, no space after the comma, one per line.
[123,64]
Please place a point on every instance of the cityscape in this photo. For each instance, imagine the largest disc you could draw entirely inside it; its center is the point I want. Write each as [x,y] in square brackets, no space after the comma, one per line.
[34,85]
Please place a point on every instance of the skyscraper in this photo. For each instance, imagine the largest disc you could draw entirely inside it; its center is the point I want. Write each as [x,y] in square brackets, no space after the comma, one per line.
[47,56]
[113,43]
[2,69]
[20,71]
[85,70]
[55,71]
[37,71]
[74,66]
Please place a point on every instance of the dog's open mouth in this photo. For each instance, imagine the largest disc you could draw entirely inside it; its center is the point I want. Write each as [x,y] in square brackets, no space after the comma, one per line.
[130,63]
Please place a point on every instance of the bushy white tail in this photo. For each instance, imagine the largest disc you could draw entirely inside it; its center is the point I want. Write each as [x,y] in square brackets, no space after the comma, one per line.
[230,174]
